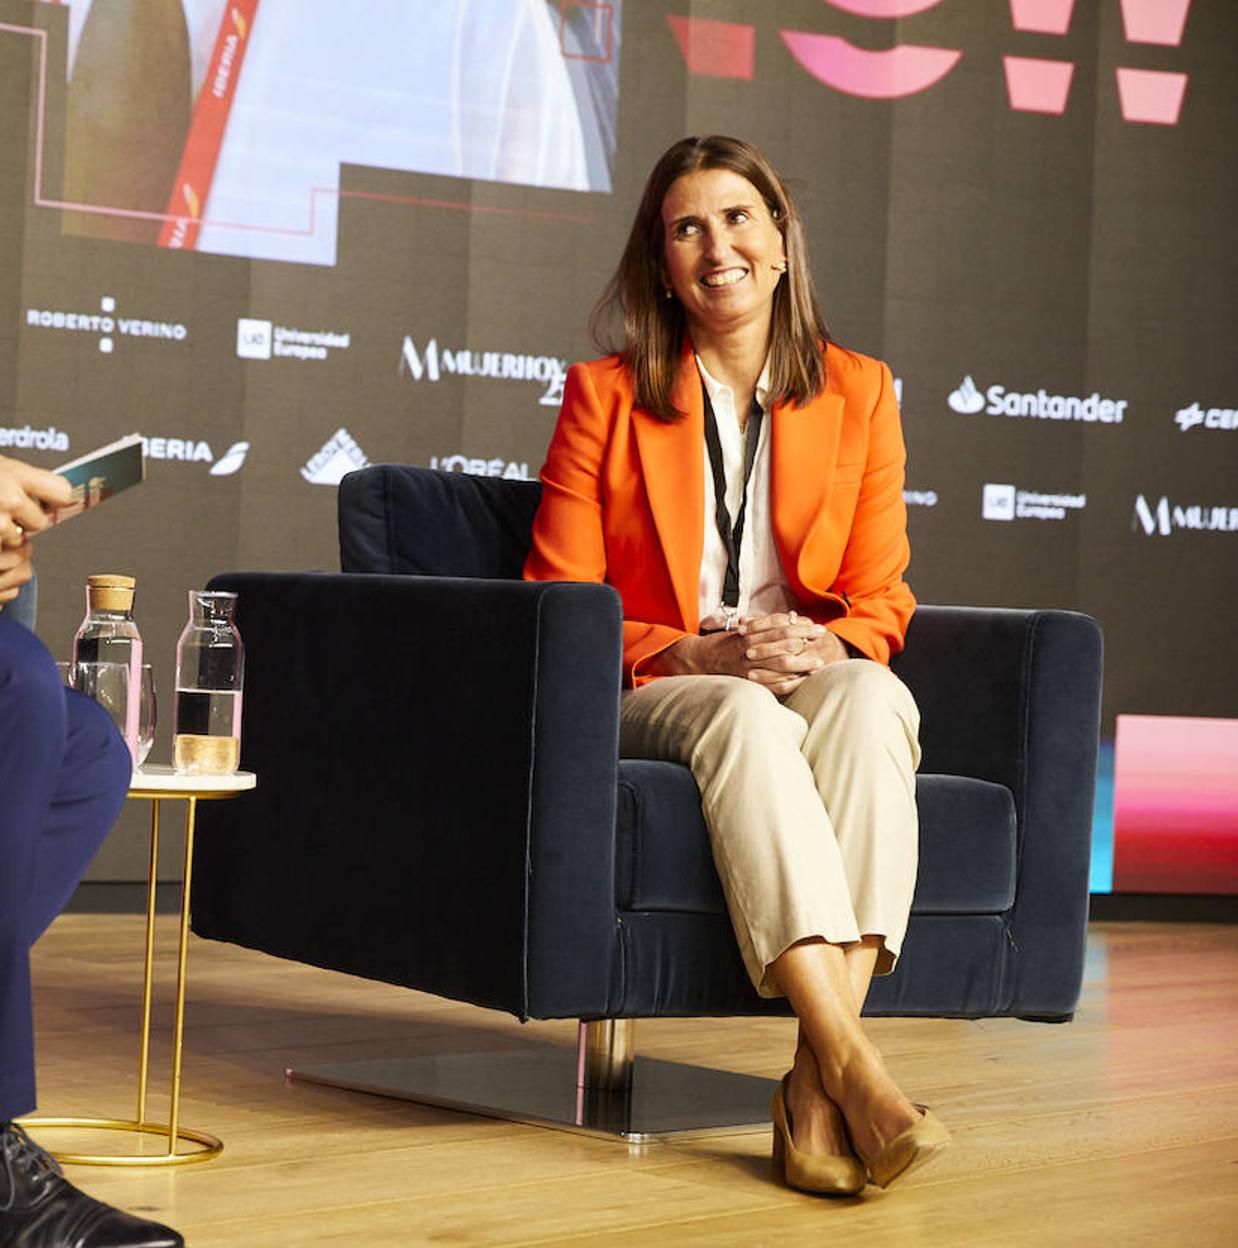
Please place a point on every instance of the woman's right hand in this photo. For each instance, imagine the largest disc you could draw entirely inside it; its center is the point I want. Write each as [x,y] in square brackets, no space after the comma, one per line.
[709,654]
[734,654]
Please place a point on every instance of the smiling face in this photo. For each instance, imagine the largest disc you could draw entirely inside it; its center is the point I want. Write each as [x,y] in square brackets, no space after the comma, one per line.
[720,246]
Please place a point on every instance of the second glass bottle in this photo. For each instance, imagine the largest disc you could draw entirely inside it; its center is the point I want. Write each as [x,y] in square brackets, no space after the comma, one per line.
[210,675]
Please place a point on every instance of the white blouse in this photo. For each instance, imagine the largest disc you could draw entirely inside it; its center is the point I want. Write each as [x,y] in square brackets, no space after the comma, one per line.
[763,585]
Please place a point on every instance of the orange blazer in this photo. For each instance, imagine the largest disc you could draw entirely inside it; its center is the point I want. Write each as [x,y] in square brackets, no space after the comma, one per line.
[623,501]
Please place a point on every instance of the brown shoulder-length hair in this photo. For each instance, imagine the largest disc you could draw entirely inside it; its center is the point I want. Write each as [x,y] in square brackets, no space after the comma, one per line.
[654,326]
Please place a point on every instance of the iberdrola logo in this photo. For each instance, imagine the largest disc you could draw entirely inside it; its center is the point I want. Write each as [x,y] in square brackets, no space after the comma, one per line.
[966,399]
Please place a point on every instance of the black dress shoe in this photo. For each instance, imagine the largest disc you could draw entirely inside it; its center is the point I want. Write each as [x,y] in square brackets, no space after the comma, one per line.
[40,1208]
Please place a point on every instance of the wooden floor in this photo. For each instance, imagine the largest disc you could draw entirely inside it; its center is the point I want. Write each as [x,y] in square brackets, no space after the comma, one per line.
[1119,1129]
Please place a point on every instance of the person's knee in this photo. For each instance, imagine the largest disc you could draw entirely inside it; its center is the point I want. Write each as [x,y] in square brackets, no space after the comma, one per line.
[741,699]
[867,695]
[745,709]
[96,749]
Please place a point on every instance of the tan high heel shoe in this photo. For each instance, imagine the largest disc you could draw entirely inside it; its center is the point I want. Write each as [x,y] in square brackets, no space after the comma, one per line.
[822,1174]
[913,1148]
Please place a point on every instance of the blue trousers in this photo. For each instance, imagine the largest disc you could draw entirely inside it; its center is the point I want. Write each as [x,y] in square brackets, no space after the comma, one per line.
[64,771]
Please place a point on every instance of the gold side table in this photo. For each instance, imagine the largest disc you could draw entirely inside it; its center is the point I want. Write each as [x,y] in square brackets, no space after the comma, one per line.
[158,784]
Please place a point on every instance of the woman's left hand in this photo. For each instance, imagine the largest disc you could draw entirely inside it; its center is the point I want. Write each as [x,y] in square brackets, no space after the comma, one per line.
[785,650]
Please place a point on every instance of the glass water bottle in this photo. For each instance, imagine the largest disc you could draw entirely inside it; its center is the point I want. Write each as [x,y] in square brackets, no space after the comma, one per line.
[210,673]
[107,653]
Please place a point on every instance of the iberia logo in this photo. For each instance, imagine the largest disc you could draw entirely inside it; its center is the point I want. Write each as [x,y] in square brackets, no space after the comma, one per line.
[193,204]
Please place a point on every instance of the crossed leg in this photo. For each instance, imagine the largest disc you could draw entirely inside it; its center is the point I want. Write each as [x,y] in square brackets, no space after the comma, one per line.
[862,747]
[840,1096]
[819,900]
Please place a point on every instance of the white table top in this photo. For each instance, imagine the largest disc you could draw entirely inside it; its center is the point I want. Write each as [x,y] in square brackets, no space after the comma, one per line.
[162,778]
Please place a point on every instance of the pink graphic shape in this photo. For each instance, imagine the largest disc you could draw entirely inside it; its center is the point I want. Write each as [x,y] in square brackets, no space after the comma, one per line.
[1151,95]
[603,28]
[1155,21]
[1175,805]
[1046,17]
[1038,86]
[906,69]
[715,49]
[883,8]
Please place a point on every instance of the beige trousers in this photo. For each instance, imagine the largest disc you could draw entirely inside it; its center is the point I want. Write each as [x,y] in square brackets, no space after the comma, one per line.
[809,800]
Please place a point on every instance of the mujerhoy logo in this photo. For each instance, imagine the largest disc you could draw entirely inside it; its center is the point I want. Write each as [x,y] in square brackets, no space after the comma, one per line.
[1162,518]
[430,365]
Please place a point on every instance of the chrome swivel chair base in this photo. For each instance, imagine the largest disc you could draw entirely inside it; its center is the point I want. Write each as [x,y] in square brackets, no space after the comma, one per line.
[601,1089]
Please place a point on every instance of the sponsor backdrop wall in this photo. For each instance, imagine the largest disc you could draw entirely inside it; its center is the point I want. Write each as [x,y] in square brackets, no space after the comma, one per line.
[281,245]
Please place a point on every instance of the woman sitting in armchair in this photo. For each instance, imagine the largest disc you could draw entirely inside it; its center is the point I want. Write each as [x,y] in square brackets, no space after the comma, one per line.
[738,478]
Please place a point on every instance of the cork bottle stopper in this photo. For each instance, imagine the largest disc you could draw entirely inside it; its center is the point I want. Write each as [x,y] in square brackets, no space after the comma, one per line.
[110,591]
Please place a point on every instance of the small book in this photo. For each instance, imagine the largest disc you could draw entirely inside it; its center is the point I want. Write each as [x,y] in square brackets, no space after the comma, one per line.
[99,475]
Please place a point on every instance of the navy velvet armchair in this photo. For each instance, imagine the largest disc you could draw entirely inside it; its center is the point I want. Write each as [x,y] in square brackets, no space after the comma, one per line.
[441,804]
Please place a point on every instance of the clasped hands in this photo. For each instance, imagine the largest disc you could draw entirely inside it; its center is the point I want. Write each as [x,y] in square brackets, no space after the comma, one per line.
[25,492]
[778,651]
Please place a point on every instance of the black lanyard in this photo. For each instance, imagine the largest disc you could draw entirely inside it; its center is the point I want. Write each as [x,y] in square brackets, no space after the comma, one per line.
[732,535]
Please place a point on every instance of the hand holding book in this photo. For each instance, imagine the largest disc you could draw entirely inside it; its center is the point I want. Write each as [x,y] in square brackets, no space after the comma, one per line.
[27,496]
[33,499]
[25,492]
[96,477]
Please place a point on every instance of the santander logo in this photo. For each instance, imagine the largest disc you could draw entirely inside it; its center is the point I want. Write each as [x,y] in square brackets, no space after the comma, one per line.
[966,400]
[1034,84]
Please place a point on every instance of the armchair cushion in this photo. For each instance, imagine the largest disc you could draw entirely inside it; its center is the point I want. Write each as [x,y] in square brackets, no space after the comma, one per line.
[663,861]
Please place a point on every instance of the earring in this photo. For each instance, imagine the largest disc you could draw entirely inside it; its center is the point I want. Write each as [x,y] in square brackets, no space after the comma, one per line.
[780,266]
[670,294]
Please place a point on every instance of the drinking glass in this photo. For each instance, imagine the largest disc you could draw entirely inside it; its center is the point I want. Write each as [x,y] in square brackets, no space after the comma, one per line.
[65,668]
[148,717]
[107,684]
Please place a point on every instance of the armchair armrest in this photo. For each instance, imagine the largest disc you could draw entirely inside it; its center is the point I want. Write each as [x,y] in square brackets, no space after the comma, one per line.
[436,766]
[1014,697]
